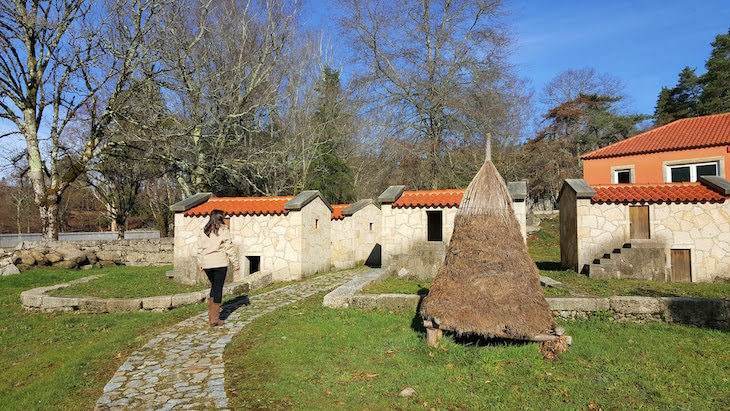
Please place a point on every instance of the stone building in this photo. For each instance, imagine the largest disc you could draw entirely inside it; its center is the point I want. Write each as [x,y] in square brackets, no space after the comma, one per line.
[417,226]
[667,232]
[293,237]
[356,234]
[653,206]
[287,236]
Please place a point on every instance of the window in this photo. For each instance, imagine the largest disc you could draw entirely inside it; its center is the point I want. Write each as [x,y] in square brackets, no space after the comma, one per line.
[254,263]
[691,172]
[622,176]
[371,226]
[435,225]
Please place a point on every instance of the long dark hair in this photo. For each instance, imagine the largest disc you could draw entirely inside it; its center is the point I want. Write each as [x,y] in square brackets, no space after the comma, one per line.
[215,222]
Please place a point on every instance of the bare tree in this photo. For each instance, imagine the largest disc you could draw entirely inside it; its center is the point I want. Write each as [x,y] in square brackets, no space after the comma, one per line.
[437,68]
[67,60]
[568,85]
[221,63]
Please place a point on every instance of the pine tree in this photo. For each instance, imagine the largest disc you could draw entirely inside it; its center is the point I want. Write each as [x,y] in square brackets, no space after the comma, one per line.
[716,82]
[681,101]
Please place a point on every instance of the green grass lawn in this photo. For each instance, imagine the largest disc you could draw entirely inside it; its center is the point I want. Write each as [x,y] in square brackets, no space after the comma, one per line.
[125,282]
[61,361]
[308,357]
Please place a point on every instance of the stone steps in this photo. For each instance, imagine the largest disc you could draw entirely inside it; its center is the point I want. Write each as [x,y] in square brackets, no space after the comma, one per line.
[638,259]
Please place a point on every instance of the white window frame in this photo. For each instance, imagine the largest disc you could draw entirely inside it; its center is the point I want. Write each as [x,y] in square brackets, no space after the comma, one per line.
[692,169]
[617,169]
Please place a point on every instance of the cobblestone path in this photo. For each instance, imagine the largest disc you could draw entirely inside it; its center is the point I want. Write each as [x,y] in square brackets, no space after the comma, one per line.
[182,368]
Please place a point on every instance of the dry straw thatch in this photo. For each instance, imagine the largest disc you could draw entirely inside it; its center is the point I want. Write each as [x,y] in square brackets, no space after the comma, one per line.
[488,285]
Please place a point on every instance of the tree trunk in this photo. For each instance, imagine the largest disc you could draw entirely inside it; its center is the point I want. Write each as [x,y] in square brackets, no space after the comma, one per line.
[49,218]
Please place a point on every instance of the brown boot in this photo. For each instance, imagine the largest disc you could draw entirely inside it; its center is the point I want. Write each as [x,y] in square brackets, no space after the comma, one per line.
[218,313]
[212,316]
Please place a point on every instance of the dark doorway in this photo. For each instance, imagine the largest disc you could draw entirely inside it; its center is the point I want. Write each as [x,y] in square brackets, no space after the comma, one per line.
[374,259]
[435,225]
[254,263]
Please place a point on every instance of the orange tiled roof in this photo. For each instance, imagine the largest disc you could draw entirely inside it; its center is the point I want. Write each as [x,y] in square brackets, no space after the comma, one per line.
[430,198]
[337,211]
[656,193]
[242,206]
[687,133]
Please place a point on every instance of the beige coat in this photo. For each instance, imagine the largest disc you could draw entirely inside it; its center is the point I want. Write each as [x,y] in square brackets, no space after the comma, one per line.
[217,250]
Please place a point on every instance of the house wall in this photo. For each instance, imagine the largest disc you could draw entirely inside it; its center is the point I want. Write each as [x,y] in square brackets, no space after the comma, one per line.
[314,241]
[703,228]
[649,168]
[273,238]
[405,227]
[354,237]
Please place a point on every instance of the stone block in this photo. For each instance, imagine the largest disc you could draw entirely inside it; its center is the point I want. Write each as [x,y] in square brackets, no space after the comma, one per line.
[152,303]
[53,257]
[39,257]
[66,264]
[695,311]
[637,305]
[179,300]
[92,305]
[109,255]
[26,258]
[364,301]
[259,280]
[50,303]
[105,263]
[116,305]
[71,253]
[237,288]
[90,256]
[578,304]
[31,298]
[134,256]
[398,301]
[9,269]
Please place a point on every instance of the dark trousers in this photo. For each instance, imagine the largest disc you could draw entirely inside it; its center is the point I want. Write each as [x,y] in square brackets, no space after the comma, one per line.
[217,277]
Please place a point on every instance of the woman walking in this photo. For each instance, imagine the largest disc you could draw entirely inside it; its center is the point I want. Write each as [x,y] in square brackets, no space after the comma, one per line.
[215,252]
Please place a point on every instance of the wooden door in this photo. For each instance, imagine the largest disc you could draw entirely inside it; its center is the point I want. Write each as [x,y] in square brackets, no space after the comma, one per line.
[639,222]
[681,266]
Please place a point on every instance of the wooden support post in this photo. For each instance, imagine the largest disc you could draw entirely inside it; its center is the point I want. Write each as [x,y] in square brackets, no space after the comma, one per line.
[433,335]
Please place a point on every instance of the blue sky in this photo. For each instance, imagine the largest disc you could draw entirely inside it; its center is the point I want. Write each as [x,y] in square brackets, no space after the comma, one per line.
[644,43]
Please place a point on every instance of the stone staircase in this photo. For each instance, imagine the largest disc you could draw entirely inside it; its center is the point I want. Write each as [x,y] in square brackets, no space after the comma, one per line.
[638,260]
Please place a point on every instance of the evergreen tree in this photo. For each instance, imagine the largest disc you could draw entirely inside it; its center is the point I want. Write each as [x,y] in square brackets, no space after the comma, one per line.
[330,173]
[681,101]
[716,82]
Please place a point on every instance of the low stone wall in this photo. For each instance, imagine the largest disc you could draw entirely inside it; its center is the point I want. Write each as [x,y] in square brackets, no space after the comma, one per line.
[35,299]
[712,313]
[88,254]
[701,312]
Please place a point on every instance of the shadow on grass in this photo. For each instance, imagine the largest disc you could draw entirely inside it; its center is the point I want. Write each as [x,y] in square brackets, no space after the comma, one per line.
[549,266]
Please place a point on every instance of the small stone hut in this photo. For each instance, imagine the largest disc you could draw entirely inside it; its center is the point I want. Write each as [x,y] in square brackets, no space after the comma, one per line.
[417,226]
[288,236]
[356,234]
[676,232]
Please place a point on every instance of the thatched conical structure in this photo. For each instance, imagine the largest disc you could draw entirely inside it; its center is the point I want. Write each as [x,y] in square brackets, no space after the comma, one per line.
[488,285]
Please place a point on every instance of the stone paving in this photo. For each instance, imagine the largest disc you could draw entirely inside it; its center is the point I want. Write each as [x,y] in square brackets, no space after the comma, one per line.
[183,367]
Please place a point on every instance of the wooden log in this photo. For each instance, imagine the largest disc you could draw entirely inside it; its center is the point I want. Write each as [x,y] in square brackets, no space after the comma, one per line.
[433,335]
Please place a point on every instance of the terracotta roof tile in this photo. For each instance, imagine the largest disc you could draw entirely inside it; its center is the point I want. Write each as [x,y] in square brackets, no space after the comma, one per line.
[242,206]
[430,198]
[656,193]
[337,211]
[687,133]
